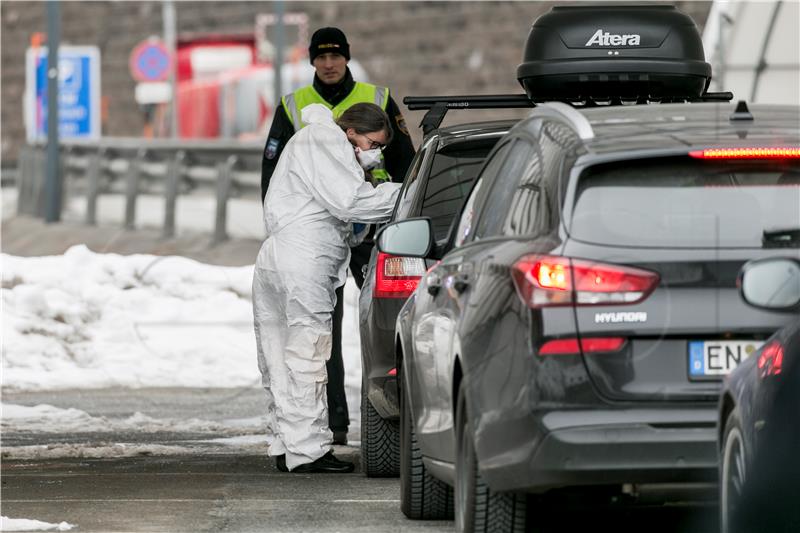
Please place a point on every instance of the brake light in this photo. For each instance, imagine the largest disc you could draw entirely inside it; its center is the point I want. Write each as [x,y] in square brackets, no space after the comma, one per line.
[573,346]
[548,281]
[397,277]
[770,362]
[781,152]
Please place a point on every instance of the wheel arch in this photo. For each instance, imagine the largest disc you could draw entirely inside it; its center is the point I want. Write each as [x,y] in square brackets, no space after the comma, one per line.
[726,405]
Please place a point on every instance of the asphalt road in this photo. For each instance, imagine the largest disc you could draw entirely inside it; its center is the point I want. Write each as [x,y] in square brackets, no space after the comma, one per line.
[200,493]
[175,481]
[230,493]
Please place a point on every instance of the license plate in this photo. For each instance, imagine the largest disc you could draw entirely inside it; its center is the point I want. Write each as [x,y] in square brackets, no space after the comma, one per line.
[718,358]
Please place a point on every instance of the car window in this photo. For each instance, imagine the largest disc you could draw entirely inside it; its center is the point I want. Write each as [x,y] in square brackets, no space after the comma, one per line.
[687,203]
[466,222]
[410,185]
[501,188]
[534,208]
[453,170]
[467,216]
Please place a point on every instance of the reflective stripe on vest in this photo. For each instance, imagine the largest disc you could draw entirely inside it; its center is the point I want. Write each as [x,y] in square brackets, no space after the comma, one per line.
[362,92]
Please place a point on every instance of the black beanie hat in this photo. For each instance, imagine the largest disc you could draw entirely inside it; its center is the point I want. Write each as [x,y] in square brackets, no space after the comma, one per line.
[328,41]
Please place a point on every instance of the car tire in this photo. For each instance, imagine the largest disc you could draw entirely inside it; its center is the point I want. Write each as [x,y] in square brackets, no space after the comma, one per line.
[733,470]
[422,496]
[379,441]
[478,508]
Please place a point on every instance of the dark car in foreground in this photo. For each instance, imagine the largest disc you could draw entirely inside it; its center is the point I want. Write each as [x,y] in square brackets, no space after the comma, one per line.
[579,321]
[439,178]
[759,438]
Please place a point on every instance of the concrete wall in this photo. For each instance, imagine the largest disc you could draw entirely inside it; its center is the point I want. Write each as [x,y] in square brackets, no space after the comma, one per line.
[415,48]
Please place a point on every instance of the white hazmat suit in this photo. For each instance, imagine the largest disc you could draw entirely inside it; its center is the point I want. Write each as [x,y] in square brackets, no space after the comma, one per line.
[316,192]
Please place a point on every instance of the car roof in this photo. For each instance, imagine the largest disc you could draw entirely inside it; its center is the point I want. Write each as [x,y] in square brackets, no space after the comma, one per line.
[674,126]
[471,131]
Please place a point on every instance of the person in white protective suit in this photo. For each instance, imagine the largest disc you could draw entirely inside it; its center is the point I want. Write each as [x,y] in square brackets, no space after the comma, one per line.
[317,192]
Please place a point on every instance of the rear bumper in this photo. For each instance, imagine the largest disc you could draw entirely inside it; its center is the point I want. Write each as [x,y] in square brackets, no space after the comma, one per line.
[573,448]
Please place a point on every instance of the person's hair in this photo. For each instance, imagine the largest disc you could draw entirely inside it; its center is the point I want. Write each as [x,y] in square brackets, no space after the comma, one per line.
[365,117]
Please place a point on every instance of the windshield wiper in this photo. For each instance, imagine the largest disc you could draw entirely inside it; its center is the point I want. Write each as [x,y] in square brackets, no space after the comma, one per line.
[781,238]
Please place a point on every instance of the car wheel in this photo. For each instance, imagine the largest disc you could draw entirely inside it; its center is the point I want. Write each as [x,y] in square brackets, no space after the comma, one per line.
[379,441]
[733,472]
[478,507]
[422,496]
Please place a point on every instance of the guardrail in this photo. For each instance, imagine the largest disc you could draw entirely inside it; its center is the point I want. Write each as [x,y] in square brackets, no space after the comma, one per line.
[131,166]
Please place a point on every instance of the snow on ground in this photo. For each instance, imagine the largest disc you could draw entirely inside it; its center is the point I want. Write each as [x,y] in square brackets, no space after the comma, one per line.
[46,418]
[23,524]
[90,320]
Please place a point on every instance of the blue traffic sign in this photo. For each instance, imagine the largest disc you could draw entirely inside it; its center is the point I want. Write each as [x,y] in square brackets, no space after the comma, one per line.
[78,92]
[150,61]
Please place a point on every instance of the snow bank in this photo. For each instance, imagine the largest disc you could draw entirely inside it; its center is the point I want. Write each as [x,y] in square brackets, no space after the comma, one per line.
[47,418]
[88,320]
[23,524]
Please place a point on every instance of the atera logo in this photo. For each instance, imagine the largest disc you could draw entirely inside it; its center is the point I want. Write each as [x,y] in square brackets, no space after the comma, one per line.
[601,38]
[616,318]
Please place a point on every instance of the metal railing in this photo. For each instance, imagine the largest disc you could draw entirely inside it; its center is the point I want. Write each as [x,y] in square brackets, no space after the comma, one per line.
[132,166]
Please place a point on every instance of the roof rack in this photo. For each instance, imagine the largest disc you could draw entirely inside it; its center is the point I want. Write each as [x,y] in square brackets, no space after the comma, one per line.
[438,106]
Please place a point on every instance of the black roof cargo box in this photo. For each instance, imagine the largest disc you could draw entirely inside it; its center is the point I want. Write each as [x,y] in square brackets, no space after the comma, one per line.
[591,53]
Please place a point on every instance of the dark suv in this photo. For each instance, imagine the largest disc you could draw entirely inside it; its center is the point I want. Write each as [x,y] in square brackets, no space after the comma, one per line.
[439,178]
[584,310]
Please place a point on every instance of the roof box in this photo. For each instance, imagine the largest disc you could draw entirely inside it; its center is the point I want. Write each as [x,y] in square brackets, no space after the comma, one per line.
[600,53]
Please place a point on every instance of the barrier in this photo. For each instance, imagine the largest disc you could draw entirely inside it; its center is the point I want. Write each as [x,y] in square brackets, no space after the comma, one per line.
[132,166]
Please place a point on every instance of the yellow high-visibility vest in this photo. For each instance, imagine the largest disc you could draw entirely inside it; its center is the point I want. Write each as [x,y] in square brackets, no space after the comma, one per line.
[362,92]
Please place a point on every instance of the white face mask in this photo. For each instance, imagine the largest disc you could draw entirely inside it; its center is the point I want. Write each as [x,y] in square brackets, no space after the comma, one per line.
[368,158]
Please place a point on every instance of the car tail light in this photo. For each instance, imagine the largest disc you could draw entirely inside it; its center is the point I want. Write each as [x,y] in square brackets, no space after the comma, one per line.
[548,281]
[779,152]
[397,277]
[770,362]
[573,346]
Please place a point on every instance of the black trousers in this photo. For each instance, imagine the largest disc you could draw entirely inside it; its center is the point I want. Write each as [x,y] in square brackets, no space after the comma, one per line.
[338,415]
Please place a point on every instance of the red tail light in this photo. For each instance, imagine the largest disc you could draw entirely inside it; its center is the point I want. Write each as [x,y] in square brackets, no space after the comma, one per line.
[770,362]
[573,346]
[546,281]
[397,277]
[779,152]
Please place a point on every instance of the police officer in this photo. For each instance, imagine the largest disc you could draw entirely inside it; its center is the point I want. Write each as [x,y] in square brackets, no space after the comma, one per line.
[335,88]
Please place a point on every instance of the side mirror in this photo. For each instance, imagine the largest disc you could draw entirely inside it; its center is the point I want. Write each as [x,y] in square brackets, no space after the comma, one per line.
[772,283]
[408,238]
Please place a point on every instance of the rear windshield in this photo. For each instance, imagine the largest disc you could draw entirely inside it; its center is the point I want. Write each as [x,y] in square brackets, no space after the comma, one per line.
[682,202]
[453,170]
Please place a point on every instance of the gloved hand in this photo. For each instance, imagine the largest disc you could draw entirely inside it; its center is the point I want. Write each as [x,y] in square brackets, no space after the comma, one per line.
[360,231]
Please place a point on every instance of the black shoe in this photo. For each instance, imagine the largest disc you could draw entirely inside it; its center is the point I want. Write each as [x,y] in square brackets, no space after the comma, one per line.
[280,463]
[340,437]
[327,464]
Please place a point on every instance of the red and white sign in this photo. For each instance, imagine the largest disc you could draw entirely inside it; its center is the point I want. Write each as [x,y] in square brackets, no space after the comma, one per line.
[150,61]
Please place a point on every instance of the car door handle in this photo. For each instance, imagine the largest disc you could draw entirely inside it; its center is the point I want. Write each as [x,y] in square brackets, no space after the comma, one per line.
[434,283]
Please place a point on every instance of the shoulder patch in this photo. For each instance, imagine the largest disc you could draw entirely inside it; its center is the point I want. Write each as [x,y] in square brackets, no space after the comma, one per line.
[272,148]
[401,124]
